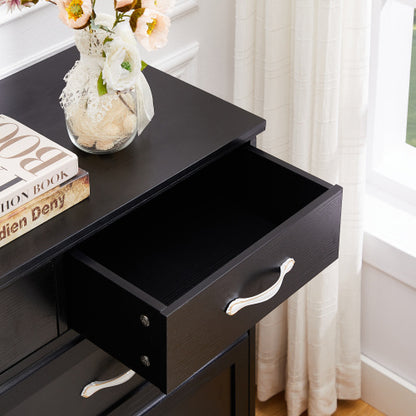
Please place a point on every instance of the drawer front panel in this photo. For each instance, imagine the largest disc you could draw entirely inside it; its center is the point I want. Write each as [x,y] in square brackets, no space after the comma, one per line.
[186,335]
[28,315]
[219,389]
[55,388]
[312,241]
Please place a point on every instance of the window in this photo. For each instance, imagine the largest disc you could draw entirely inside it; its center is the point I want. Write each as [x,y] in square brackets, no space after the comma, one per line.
[390,203]
[392,162]
[411,111]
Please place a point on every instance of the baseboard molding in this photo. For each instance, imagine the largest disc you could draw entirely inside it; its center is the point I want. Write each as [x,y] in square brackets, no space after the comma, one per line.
[385,390]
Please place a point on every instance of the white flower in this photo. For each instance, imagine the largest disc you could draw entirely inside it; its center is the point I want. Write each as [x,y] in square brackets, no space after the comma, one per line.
[122,61]
[161,6]
[150,28]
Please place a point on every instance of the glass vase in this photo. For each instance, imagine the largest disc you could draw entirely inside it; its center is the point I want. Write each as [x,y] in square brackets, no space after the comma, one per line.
[114,130]
[107,101]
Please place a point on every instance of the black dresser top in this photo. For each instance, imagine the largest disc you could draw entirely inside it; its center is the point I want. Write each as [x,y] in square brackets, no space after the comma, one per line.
[190,127]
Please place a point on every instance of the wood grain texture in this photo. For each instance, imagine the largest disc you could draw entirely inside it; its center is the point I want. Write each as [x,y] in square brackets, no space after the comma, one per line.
[219,389]
[276,406]
[217,235]
[189,127]
[55,389]
[27,315]
[109,316]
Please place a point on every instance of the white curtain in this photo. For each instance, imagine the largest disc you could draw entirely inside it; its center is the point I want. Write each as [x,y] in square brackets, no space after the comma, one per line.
[304,65]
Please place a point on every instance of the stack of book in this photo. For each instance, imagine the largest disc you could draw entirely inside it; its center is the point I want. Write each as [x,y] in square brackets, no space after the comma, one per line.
[39,179]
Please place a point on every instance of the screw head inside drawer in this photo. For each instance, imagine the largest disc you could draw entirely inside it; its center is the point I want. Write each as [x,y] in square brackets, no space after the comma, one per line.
[144,359]
[145,321]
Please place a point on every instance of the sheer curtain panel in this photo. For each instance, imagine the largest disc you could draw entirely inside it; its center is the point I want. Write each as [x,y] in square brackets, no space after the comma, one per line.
[304,65]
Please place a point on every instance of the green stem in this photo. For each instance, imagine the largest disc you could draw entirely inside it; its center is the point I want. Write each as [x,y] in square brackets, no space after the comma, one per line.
[119,18]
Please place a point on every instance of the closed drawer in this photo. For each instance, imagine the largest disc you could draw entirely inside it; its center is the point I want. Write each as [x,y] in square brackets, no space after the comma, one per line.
[153,287]
[27,315]
[55,388]
[219,389]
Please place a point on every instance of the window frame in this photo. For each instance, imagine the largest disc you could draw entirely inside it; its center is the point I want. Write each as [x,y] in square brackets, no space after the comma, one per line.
[391,161]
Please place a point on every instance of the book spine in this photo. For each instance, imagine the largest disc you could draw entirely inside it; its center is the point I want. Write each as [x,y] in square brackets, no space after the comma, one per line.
[43,183]
[43,208]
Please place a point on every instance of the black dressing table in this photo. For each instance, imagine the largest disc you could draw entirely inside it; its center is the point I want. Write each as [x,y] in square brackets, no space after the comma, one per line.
[142,275]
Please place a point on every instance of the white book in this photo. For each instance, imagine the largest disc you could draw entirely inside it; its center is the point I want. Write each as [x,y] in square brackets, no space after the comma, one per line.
[30,164]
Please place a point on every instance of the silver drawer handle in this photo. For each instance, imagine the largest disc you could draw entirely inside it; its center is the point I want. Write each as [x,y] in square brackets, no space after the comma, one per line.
[95,386]
[240,303]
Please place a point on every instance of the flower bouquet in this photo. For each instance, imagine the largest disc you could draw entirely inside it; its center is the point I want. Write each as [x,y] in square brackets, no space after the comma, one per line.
[107,100]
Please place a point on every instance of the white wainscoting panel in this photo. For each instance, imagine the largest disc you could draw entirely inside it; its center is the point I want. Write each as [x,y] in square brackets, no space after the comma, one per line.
[31,37]
[182,64]
[36,33]
[200,48]
[183,7]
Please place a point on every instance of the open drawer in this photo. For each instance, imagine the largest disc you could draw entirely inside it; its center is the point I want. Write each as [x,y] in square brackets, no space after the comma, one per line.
[153,288]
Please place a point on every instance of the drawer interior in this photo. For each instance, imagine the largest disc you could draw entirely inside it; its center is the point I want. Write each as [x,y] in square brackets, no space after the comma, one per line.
[177,239]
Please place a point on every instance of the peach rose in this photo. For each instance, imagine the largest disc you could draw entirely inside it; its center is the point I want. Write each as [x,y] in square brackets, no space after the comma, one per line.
[124,5]
[150,28]
[161,6]
[75,13]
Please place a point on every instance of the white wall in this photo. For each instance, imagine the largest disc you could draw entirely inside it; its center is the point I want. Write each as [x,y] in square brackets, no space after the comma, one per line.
[30,37]
[200,47]
[389,268]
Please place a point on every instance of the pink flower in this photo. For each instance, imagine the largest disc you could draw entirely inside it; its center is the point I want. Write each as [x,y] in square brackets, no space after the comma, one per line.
[150,28]
[124,5]
[28,3]
[161,6]
[75,13]
[11,4]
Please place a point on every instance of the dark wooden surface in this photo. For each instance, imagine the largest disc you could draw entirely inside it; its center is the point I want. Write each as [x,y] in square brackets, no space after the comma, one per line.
[221,388]
[207,324]
[110,318]
[225,236]
[191,129]
[189,126]
[55,388]
[27,315]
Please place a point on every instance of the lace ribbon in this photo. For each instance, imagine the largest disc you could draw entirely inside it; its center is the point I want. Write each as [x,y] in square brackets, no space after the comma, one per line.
[81,81]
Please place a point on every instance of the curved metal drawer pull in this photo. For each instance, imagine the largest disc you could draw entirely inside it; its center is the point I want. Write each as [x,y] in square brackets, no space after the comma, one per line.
[95,386]
[240,303]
